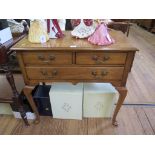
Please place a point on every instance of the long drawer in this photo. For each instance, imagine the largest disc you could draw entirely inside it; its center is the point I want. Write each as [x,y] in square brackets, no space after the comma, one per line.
[62,73]
[46,58]
[99,58]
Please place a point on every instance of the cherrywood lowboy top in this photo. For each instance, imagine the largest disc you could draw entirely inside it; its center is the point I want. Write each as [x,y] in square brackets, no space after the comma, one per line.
[69,43]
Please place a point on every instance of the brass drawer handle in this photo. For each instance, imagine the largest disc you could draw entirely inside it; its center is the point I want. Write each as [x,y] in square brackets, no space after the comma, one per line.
[99,60]
[44,73]
[96,76]
[105,58]
[95,57]
[52,57]
[41,57]
[94,73]
[104,73]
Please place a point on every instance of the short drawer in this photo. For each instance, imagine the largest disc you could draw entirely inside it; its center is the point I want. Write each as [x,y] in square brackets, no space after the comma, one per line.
[99,58]
[45,58]
[75,73]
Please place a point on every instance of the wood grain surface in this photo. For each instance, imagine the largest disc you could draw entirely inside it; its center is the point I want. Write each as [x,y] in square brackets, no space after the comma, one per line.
[133,120]
[70,43]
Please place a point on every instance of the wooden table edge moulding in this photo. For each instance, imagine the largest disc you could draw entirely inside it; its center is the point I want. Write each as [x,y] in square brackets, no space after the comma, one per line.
[75,60]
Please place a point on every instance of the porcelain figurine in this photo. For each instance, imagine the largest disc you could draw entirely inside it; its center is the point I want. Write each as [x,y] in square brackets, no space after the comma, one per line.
[38,32]
[84,29]
[101,36]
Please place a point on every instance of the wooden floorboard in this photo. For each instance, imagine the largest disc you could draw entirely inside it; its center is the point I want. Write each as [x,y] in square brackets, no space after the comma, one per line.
[129,122]
[140,83]
[133,120]
[150,113]
[144,121]
[99,126]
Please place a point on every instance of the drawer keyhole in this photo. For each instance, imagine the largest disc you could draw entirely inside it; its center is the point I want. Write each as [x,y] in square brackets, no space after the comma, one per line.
[54,72]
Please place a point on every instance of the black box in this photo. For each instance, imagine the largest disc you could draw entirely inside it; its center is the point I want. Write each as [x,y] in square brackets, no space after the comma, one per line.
[3,24]
[42,100]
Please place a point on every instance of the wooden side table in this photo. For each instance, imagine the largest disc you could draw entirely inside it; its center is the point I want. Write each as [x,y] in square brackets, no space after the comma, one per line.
[75,60]
[121,26]
[4,54]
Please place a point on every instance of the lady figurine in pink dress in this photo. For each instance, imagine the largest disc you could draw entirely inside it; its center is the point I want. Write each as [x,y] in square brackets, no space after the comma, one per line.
[101,36]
